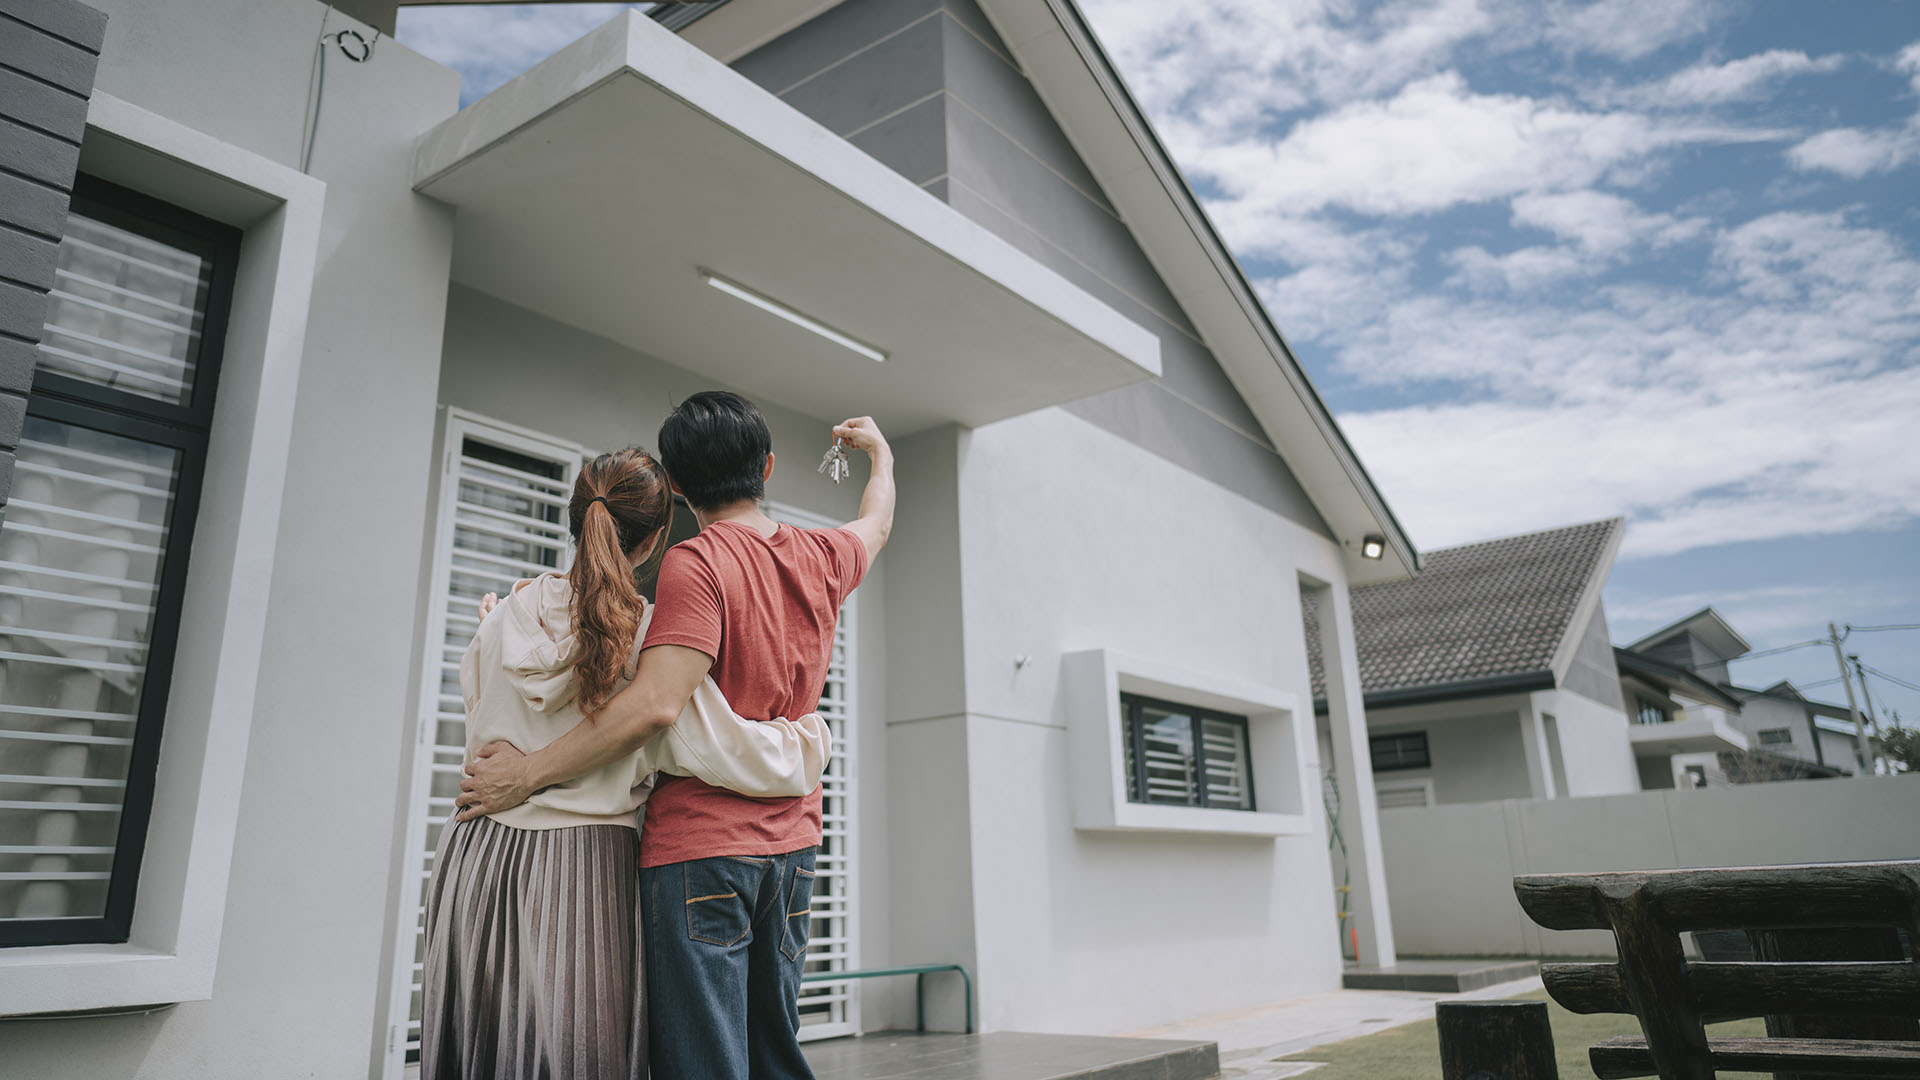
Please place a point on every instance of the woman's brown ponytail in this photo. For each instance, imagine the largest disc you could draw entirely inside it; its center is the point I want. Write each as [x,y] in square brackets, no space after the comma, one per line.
[619,500]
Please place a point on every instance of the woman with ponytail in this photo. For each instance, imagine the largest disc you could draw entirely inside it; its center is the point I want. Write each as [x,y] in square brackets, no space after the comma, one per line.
[533,957]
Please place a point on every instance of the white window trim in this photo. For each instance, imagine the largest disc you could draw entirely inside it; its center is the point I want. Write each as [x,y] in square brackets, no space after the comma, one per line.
[174,943]
[1280,735]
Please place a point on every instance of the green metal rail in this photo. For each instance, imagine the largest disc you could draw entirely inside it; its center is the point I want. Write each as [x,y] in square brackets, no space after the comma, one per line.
[918,971]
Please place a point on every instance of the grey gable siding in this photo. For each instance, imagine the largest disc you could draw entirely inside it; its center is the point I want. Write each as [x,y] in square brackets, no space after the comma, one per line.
[48,52]
[926,87]
[1592,674]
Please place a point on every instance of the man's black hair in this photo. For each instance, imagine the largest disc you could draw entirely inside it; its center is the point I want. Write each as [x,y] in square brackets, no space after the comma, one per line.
[715,447]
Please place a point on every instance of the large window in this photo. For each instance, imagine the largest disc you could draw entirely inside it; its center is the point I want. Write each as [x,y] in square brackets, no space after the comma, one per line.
[1178,755]
[93,555]
[1403,750]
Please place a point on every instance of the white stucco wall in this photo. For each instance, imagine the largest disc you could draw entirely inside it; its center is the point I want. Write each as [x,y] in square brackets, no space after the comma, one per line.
[301,967]
[1075,539]
[1475,746]
[1450,869]
[1593,744]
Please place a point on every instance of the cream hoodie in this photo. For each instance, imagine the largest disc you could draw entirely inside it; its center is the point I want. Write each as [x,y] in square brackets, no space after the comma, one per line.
[518,681]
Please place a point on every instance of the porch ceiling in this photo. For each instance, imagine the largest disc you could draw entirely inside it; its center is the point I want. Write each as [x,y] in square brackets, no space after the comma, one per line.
[596,188]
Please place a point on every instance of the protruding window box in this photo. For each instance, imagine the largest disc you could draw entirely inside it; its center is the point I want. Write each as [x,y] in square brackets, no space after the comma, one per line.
[1104,773]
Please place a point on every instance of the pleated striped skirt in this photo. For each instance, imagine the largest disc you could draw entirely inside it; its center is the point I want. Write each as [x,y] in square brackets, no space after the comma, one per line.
[533,968]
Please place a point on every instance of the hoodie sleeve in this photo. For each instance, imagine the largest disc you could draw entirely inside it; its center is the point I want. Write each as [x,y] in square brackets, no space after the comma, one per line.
[710,742]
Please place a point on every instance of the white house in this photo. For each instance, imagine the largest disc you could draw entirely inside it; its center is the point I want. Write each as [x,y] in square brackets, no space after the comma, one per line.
[1694,728]
[1491,675]
[309,357]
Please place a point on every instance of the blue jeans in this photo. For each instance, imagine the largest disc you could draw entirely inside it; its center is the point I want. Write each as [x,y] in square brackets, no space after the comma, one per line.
[725,941]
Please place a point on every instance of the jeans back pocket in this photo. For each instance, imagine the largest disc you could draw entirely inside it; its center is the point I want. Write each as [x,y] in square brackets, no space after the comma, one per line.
[716,912]
[799,909]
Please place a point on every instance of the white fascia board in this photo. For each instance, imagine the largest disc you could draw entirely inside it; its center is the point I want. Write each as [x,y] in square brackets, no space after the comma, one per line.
[634,46]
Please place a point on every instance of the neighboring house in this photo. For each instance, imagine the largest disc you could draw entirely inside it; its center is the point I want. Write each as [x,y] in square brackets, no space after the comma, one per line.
[319,354]
[1694,728]
[1491,675]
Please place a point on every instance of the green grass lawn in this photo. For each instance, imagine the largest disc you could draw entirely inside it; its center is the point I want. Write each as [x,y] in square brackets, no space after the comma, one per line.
[1413,1050]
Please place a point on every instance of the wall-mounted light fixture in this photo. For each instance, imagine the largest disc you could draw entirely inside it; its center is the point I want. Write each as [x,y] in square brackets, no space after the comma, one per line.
[775,307]
[1373,547]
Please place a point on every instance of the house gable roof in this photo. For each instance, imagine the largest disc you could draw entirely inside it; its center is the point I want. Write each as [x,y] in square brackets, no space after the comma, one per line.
[1709,626]
[1672,678]
[1491,617]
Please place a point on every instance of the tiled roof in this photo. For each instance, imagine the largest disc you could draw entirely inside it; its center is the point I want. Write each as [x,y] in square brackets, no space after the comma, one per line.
[1478,611]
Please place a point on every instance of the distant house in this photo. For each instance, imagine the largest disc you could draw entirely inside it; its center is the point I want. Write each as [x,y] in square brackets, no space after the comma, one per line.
[1694,728]
[1491,674]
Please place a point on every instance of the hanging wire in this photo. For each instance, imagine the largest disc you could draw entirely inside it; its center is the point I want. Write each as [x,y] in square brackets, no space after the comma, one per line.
[1890,678]
[1876,629]
[353,45]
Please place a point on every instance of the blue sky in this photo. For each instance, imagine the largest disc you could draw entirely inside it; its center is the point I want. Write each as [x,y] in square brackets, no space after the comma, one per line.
[1551,261]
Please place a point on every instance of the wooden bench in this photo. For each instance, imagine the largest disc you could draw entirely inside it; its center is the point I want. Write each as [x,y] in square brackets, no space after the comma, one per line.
[1792,913]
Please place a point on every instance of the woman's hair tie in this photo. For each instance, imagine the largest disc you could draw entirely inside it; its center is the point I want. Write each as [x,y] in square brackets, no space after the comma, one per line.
[602,500]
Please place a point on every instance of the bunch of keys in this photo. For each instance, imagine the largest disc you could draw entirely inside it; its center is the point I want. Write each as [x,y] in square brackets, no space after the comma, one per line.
[834,466]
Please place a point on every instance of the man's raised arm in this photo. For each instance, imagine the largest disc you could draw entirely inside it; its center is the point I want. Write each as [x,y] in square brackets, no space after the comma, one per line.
[875,522]
[501,778]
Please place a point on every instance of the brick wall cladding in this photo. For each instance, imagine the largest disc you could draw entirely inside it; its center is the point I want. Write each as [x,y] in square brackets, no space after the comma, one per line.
[48,52]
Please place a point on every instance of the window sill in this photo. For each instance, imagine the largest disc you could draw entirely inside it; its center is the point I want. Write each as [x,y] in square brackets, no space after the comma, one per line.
[57,979]
[1093,681]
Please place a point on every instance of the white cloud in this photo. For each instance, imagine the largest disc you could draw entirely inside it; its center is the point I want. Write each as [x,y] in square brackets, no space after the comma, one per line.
[1433,145]
[1749,78]
[1854,152]
[1626,29]
[1780,408]
[1908,63]
[1600,222]
[490,45]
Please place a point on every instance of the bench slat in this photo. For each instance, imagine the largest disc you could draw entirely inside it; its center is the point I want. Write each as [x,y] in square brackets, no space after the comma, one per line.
[1729,990]
[1733,898]
[1626,1056]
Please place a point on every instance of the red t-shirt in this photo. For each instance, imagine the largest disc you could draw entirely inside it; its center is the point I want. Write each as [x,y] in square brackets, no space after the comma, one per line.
[764,608]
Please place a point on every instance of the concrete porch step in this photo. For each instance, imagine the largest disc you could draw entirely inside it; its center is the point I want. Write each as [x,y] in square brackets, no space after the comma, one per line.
[1010,1055]
[1438,975]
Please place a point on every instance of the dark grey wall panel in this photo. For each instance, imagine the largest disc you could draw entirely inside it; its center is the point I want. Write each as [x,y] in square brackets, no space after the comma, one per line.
[48,52]
[995,88]
[1593,674]
[1187,368]
[876,81]
[838,33]
[912,143]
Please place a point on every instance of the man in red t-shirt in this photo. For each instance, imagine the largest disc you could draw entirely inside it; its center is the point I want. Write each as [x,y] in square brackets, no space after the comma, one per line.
[726,880]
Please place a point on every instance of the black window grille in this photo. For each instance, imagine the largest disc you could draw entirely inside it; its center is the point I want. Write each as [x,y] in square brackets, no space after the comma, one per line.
[1403,750]
[93,554]
[1179,755]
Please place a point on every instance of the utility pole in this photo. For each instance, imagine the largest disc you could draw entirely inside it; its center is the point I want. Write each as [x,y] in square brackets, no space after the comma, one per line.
[1866,696]
[1859,729]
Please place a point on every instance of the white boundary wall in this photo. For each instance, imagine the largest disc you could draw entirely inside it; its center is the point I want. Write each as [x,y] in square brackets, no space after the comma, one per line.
[1450,869]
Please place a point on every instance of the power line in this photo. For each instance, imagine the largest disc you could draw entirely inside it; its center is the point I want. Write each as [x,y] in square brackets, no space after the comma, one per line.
[1895,681]
[1874,629]
[1817,685]
[1784,648]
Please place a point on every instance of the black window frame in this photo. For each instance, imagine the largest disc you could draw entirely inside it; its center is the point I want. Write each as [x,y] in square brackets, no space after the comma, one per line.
[1132,728]
[1373,751]
[185,427]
